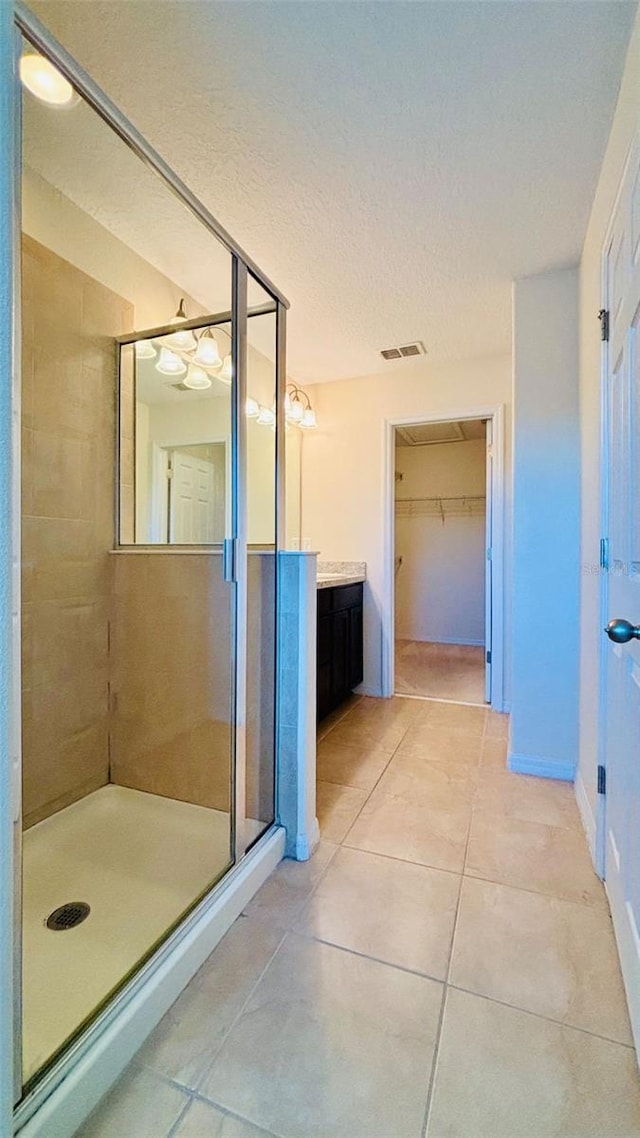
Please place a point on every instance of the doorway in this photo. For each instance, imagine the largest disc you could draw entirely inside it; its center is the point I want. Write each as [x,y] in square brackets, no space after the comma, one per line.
[440,559]
[444,613]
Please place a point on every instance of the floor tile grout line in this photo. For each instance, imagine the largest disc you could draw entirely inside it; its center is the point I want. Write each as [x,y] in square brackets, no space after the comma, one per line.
[436,1050]
[355,819]
[434,1062]
[173,1129]
[404,861]
[537,893]
[198,1096]
[367,956]
[237,1017]
[539,1015]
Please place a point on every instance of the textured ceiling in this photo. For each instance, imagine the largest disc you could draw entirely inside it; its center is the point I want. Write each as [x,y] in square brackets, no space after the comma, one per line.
[392,166]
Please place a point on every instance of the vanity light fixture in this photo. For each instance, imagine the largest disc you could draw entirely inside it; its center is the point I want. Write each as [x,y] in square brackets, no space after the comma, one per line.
[252,409]
[182,341]
[226,375]
[196,378]
[170,364]
[298,409]
[266,416]
[145,350]
[43,80]
[207,353]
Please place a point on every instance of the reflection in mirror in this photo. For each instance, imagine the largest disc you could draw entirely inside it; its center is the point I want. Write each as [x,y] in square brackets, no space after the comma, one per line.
[175,400]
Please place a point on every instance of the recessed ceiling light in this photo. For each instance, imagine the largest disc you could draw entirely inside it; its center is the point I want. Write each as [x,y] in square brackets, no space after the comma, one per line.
[43,80]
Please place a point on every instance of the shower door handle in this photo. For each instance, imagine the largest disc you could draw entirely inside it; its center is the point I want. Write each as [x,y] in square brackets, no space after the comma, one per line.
[229,559]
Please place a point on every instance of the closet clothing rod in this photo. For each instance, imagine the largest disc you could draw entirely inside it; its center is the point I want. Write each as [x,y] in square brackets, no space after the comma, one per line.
[462,506]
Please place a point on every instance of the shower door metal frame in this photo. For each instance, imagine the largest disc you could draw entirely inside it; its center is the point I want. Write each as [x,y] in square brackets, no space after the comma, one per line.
[31,28]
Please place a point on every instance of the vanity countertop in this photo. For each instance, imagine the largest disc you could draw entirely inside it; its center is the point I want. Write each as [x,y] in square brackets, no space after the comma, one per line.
[332,574]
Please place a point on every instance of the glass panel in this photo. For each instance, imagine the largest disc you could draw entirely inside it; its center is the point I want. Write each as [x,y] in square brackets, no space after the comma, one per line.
[128,655]
[175,408]
[261,568]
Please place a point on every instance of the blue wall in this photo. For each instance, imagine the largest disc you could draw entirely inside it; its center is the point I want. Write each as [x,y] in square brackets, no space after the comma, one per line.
[546,535]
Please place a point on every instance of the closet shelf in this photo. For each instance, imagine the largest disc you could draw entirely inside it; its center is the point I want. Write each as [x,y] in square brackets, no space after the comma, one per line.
[467,506]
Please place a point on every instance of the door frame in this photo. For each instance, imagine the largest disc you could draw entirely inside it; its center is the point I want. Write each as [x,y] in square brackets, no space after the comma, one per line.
[597,827]
[160,449]
[496,493]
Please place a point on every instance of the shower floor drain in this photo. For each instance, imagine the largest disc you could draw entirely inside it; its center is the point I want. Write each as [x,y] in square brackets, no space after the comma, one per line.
[68,916]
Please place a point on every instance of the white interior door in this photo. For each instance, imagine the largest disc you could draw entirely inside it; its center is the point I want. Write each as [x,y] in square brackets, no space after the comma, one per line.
[488,579]
[622,728]
[191,499]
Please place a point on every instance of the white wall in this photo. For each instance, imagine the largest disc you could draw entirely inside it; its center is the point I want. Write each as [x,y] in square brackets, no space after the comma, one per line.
[546,504]
[440,583]
[343,465]
[625,125]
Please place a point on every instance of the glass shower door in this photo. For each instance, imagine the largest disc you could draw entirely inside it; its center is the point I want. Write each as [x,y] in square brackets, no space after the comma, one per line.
[130,652]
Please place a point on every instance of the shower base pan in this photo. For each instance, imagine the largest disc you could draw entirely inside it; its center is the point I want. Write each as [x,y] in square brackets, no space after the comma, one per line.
[138,861]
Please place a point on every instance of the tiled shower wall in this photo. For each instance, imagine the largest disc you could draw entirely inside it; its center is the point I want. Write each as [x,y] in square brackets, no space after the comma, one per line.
[68,399]
[172,652]
[167,656]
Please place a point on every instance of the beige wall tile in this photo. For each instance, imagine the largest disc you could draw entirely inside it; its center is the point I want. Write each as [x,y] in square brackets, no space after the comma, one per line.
[170,678]
[69,385]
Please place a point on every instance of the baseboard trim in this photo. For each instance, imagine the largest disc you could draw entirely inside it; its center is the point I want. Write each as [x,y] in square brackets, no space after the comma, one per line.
[113,1041]
[586,815]
[541,768]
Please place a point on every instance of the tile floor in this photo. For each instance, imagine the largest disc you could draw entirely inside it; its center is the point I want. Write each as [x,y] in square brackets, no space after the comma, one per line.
[444,966]
[440,671]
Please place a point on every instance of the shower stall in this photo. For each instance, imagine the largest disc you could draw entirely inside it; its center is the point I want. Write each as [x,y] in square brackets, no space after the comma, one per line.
[151,395]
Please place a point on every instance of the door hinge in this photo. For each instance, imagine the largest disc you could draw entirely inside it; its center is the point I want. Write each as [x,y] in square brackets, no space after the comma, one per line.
[489,554]
[604,553]
[488,655]
[603,317]
[602,780]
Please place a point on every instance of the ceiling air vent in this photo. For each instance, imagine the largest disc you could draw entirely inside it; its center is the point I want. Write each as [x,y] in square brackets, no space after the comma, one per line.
[405,350]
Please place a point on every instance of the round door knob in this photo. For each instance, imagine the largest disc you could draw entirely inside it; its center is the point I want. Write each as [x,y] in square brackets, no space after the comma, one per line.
[622,631]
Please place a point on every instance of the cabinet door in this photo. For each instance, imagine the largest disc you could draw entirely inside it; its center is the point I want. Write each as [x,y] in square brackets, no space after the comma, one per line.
[325,665]
[340,660]
[355,654]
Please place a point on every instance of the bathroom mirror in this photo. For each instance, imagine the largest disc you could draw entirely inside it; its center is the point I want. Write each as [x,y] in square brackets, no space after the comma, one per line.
[175,438]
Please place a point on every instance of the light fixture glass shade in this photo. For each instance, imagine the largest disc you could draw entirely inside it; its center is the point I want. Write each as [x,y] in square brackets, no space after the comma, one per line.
[266,416]
[296,410]
[43,80]
[184,341]
[207,353]
[252,408]
[226,375]
[144,350]
[308,421]
[170,364]
[196,379]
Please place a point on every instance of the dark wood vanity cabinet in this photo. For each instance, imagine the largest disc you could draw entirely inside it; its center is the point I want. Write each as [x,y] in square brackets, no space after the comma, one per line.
[340,645]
